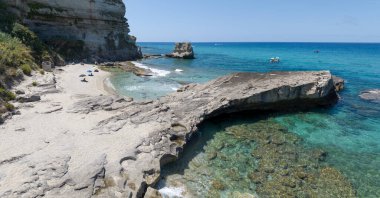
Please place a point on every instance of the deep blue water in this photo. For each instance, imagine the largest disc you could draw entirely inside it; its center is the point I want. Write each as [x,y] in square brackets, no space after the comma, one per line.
[349,131]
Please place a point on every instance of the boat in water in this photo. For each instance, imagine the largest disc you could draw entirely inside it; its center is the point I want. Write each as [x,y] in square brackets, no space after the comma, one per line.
[275,60]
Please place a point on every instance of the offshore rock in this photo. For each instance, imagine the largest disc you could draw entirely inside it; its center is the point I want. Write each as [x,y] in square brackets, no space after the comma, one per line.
[122,155]
[338,83]
[182,50]
[371,95]
[80,29]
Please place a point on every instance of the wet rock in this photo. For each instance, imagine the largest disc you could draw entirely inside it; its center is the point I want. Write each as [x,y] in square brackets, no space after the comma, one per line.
[258,177]
[371,95]
[320,154]
[182,50]
[218,185]
[338,83]
[152,193]
[242,195]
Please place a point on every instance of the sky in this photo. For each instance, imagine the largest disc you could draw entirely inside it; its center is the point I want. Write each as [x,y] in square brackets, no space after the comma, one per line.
[254,20]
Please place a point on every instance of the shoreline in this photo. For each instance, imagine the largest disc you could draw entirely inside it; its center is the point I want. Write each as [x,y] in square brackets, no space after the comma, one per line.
[91,138]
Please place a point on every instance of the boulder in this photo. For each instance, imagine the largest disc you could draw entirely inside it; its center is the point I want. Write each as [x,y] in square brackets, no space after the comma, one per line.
[20,92]
[47,66]
[182,50]
[371,95]
[338,83]
[28,98]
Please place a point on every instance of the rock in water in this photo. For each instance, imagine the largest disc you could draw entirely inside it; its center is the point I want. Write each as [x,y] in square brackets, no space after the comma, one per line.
[371,95]
[80,28]
[338,83]
[182,50]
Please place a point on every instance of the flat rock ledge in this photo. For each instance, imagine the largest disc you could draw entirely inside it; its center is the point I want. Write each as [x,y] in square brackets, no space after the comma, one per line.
[122,155]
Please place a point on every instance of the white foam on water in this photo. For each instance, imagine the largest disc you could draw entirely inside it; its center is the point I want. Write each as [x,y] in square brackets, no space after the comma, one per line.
[156,72]
[133,88]
[172,192]
[178,70]
[109,83]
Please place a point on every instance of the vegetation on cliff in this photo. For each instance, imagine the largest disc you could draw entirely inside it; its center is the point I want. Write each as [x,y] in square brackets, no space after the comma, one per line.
[21,52]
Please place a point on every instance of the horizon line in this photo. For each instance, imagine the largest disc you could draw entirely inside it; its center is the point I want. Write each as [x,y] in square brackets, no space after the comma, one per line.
[341,42]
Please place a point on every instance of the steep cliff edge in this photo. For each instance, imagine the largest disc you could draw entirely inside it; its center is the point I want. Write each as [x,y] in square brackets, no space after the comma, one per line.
[80,29]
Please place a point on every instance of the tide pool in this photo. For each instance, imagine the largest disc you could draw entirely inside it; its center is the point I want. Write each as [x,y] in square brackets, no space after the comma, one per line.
[349,132]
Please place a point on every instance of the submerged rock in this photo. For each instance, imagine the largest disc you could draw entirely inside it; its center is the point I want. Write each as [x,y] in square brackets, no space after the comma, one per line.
[182,50]
[371,95]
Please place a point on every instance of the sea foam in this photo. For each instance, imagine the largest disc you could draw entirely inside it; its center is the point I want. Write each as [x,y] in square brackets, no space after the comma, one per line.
[156,72]
[172,192]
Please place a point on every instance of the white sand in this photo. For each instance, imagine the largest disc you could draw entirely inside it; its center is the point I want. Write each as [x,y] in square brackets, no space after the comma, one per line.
[37,137]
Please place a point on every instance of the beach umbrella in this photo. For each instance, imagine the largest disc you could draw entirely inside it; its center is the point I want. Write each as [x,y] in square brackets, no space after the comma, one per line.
[82,75]
[89,70]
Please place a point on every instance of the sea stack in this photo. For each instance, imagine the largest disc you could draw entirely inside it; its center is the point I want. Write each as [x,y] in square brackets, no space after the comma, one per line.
[182,50]
[80,29]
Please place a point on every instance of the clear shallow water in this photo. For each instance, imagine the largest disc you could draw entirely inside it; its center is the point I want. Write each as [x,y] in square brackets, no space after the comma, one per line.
[349,132]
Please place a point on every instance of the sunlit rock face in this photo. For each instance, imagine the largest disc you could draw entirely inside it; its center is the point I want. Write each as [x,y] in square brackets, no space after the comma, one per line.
[80,29]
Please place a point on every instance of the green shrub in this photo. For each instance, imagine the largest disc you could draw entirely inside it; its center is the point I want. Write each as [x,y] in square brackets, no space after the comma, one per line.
[26,69]
[9,106]
[29,38]
[14,52]
[6,95]
[34,84]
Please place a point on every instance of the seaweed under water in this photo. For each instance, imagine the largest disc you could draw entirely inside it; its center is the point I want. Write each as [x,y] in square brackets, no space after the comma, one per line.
[259,158]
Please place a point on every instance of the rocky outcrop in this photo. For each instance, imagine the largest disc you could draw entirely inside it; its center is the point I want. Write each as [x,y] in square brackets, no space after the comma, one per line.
[80,28]
[182,50]
[338,83]
[371,95]
[121,156]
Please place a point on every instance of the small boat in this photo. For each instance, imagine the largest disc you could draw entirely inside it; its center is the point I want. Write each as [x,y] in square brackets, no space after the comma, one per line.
[275,60]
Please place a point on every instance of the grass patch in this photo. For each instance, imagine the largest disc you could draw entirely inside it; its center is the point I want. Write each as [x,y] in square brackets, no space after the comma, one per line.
[26,69]
[9,106]
[6,95]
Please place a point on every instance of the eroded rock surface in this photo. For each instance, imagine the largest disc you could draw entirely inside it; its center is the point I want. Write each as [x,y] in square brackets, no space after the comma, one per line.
[182,50]
[96,27]
[121,156]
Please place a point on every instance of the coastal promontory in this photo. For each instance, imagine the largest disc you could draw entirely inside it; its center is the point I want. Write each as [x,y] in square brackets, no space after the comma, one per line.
[80,141]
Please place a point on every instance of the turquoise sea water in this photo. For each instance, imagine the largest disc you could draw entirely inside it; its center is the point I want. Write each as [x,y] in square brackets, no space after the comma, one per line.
[349,132]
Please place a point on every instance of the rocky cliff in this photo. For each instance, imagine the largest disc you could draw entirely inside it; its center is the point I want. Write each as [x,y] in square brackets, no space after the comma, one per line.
[80,29]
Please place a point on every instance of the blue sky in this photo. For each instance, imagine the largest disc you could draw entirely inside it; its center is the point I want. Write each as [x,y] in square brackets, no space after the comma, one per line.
[255,20]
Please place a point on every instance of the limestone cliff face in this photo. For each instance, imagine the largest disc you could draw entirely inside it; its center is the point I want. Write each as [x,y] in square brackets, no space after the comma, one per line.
[85,28]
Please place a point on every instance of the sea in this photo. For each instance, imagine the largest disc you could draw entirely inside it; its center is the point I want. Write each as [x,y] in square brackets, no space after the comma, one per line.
[226,158]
